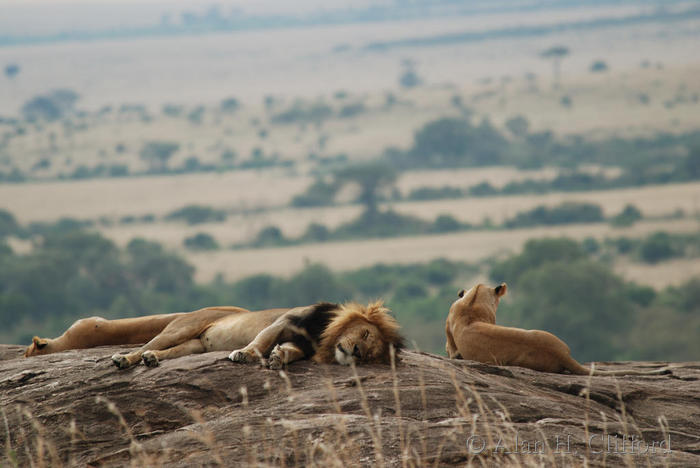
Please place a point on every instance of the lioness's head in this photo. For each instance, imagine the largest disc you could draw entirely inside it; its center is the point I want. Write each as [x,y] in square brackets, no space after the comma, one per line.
[479,304]
[37,348]
[359,334]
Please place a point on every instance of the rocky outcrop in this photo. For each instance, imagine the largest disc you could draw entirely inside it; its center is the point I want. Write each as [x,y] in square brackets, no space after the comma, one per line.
[75,408]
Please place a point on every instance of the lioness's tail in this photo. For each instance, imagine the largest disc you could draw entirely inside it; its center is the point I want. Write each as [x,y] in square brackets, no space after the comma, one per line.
[575,368]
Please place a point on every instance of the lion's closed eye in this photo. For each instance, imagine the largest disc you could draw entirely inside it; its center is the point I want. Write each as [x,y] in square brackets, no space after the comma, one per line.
[365,334]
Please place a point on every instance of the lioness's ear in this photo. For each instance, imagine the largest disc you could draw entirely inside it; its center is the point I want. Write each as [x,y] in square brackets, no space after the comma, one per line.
[501,289]
[39,342]
[461,293]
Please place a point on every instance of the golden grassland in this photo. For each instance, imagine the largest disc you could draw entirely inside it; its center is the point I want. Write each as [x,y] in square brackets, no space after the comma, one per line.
[491,78]
[464,246]
[238,191]
[603,104]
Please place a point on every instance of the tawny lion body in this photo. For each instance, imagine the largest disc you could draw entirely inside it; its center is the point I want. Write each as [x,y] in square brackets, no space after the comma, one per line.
[472,334]
[96,331]
[325,332]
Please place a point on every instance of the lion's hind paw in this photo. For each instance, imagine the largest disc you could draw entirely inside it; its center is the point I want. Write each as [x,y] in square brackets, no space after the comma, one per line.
[121,361]
[150,359]
[240,356]
[275,361]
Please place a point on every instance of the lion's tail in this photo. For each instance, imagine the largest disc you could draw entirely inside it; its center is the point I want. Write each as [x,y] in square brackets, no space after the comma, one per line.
[575,368]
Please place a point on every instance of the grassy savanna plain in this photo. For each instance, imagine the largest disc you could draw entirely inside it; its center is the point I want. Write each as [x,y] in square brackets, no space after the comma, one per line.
[258,207]
[257,117]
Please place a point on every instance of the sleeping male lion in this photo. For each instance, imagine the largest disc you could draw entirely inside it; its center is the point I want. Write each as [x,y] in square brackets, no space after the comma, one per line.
[323,332]
[472,334]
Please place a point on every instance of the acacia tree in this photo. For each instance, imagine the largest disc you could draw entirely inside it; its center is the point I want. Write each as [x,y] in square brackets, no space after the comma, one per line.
[556,54]
[370,177]
[158,153]
[11,70]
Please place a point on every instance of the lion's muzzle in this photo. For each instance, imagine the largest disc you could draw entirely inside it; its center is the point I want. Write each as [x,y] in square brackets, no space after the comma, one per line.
[345,358]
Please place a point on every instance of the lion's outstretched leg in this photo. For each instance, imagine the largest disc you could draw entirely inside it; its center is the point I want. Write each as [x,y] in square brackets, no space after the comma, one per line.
[262,343]
[284,354]
[174,334]
[152,357]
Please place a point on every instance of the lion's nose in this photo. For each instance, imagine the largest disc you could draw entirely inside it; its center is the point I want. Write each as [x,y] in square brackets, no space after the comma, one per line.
[356,352]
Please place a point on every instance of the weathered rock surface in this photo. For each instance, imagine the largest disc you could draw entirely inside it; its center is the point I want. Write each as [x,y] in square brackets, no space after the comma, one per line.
[75,408]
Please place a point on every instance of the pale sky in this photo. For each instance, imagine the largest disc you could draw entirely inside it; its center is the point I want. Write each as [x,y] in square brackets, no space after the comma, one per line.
[39,17]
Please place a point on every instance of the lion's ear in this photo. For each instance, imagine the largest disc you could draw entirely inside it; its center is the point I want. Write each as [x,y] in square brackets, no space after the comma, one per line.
[461,293]
[40,343]
[501,289]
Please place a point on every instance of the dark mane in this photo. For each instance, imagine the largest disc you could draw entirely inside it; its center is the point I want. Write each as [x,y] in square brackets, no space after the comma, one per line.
[311,325]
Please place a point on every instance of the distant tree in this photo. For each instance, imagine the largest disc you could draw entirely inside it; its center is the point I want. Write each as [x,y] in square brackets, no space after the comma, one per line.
[518,125]
[446,223]
[154,268]
[317,233]
[228,156]
[629,215]
[8,224]
[409,78]
[230,105]
[454,142]
[657,247]
[535,253]
[370,177]
[269,102]
[11,70]
[192,164]
[197,214]
[556,54]
[444,141]
[690,168]
[598,66]
[320,193]
[582,302]
[201,241]
[172,110]
[158,153]
[270,236]
[196,115]
[564,213]
[51,106]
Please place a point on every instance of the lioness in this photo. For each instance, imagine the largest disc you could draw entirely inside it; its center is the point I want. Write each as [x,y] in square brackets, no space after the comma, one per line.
[472,333]
[324,332]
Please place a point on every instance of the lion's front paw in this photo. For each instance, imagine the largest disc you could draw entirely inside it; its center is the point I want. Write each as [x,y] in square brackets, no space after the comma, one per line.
[275,362]
[150,359]
[121,361]
[241,356]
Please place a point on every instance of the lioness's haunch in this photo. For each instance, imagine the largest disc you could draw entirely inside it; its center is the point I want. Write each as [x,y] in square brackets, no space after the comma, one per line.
[323,332]
[472,334]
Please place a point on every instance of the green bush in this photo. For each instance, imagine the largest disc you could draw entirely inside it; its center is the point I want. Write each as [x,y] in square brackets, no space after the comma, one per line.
[201,241]
[435,193]
[230,105]
[270,236]
[565,213]
[536,252]
[657,247]
[8,224]
[583,303]
[352,110]
[196,214]
[452,142]
[446,223]
[381,224]
[627,217]
[303,113]
[319,193]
